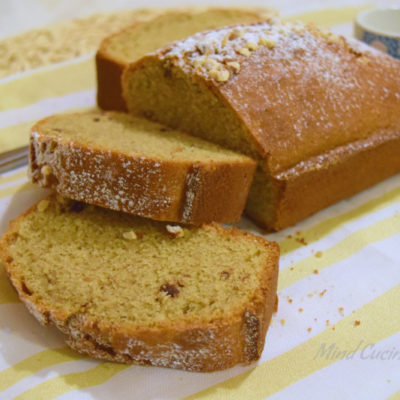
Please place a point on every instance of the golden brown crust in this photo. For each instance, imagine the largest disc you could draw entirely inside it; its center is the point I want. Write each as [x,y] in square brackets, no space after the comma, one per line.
[321,107]
[164,190]
[190,345]
[349,170]
[109,72]
[329,178]
[321,112]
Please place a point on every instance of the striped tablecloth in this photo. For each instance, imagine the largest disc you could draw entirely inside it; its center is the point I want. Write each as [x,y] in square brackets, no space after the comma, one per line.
[336,334]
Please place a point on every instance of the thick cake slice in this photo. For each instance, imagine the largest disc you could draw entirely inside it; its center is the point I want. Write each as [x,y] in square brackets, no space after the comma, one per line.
[320,112]
[130,164]
[118,50]
[127,289]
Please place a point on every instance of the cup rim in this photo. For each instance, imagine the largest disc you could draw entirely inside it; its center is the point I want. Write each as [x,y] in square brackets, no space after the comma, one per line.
[360,20]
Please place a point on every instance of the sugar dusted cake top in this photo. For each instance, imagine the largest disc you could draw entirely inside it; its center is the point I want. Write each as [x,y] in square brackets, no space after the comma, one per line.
[302,92]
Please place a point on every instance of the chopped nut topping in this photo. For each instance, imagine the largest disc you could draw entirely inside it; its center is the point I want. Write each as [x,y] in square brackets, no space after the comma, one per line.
[329,36]
[46,170]
[267,42]
[43,205]
[244,51]
[252,46]
[198,62]
[236,33]
[203,48]
[175,231]
[220,76]
[213,67]
[332,38]
[207,62]
[130,235]
[225,40]
[235,65]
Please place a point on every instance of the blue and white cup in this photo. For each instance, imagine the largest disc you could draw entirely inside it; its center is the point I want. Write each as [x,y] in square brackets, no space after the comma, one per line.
[380,28]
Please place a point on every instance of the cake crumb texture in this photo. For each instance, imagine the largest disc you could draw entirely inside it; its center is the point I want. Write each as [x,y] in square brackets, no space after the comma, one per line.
[202,302]
[130,164]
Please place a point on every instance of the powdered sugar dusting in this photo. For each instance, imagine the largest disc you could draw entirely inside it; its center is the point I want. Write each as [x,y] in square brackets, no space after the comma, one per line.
[130,181]
[192,182]
[94,176]
[224,49]
[216,54]
[299,90]
[204,345]
[205,349]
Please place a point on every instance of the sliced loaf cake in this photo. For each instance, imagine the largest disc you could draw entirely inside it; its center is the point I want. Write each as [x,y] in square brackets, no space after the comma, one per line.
[321,113]
[128,289]
[130,164]
[118,50]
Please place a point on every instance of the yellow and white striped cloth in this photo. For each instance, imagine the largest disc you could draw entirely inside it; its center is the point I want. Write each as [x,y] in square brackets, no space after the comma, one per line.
[336,334]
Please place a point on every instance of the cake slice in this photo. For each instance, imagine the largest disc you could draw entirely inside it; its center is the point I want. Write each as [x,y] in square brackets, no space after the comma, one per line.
[320,112]
[128,289]
[118,50]
[129,164]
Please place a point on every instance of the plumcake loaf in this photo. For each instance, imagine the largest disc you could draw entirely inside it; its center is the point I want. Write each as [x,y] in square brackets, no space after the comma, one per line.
[130,164]
[319,112]
[132,290]
[118,50]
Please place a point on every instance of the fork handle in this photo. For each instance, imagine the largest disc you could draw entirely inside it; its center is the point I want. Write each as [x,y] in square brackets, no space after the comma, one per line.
[14,158]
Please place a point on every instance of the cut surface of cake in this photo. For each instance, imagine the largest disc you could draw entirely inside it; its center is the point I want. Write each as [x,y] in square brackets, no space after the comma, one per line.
[128,289]
[130,164]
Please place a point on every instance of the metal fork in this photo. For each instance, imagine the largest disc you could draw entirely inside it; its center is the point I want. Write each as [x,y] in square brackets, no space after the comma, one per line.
[13,158]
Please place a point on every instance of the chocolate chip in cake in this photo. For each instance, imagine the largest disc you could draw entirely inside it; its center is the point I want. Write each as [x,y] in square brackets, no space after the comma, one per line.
[77,206]
[170,290]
